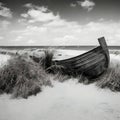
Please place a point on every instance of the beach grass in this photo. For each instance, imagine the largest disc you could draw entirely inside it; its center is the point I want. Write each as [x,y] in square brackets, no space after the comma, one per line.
[22,77]
[110,79]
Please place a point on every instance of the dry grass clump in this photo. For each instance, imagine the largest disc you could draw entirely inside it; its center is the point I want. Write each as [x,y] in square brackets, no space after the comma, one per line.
[59,77]
[47,59]
[44,60]
[83,79]
[22,77]
[111,79]
[56,69]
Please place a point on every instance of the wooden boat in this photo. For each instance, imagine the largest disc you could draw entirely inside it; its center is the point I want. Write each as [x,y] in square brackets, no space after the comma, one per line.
[91,64]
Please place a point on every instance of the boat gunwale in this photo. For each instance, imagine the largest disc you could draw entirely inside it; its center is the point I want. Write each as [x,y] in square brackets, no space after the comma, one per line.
[65,60]
[80,60]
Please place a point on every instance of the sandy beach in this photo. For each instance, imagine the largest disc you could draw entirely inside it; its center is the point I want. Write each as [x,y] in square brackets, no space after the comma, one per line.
[68,100]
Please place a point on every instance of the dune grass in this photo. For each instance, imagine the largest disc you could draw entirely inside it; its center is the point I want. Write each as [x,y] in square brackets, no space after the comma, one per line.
[110,79]
[45,60]
[22,77]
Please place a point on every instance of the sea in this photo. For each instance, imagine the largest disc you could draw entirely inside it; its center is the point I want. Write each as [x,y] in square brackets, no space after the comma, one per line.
[57,47]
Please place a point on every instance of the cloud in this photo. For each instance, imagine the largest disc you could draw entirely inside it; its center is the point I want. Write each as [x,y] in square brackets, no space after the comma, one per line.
[69,33]
[19,38]
[4,11]
[31,6]
[73,4]
[46,34]
[1,37]
[87,4]
[4,24]
[30,42]
[57,31]
[4,31]
[38,14]
[65,39]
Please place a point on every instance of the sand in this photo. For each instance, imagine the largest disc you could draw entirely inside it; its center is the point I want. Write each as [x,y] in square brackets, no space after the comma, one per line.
[3,59]
[68,100]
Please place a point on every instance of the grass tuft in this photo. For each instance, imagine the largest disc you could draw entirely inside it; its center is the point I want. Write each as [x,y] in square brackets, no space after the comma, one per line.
[22,77]
[83,79]
[45,60]
[111,79]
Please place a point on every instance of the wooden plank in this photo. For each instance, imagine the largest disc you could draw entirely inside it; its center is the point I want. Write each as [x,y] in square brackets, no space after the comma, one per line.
[95,50]
[88,60]
[96,70]
[103,44]
[91,60]
[91,63]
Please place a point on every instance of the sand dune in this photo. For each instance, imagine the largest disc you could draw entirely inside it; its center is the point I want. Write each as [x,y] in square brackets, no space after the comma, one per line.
[68,100]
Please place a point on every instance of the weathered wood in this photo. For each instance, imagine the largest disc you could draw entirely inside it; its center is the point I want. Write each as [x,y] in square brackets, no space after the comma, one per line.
[103,44]
[80,57]
[92,63]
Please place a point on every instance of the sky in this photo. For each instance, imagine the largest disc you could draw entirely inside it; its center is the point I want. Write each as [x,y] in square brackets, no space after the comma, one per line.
[59,22]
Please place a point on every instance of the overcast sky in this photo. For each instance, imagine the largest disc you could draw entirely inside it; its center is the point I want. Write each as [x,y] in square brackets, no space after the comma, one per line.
[59,22]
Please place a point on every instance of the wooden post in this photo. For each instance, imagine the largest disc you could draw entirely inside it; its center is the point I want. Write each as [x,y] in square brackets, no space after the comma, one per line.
[104,46]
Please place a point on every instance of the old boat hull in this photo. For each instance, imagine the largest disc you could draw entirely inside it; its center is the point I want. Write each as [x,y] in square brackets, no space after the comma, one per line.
[91,64]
